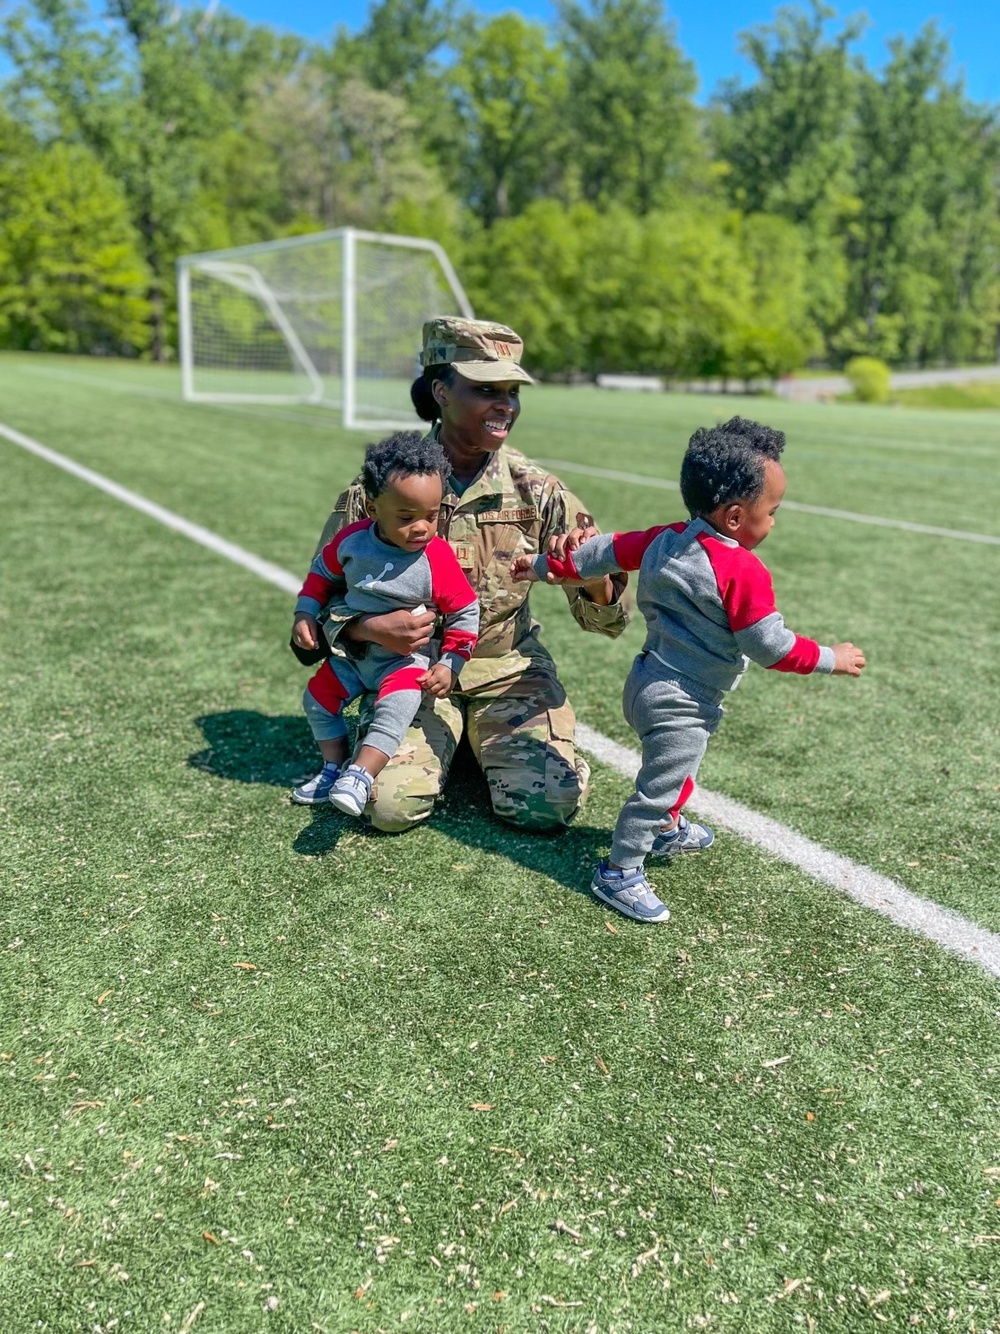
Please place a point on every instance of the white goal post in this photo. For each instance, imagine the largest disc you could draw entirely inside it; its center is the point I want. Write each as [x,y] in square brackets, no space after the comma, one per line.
[332,319]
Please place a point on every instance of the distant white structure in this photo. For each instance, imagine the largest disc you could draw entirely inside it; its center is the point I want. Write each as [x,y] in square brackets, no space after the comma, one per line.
[332,319]
[650,384]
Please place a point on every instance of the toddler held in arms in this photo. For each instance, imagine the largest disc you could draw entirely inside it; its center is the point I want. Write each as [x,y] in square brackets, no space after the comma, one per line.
[709,607]
[389,561]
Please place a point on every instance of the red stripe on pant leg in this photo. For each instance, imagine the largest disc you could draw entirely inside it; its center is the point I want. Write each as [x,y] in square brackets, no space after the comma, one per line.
[686,792]
[328,690]
[405,679]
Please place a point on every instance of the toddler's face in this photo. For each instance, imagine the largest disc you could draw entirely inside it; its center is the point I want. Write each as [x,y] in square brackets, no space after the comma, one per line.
[755,519]
[407,510]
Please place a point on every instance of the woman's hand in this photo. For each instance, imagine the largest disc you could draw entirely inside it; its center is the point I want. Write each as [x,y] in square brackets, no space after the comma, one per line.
[601,591]
[401,632]
[437,681]
[522,569]
[564,542]
[305,631]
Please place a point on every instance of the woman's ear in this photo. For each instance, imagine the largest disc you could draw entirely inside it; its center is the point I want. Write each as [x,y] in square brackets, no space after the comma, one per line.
[440,391]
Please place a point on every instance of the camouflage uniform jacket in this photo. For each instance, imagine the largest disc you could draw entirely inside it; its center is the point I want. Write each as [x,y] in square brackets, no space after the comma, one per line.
[512,507]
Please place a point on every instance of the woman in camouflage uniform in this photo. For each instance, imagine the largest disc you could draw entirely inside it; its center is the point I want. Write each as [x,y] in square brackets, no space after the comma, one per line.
[497,505]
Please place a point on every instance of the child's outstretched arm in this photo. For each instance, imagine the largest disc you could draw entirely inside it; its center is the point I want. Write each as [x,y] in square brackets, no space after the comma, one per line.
[747,596]
[607,553]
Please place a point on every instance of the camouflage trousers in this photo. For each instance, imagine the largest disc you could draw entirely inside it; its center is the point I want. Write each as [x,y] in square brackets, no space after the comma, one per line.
[522,734]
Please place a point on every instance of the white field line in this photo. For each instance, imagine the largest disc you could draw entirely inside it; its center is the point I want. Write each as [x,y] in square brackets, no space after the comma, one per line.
[874,520]
[274,574]
[921,916]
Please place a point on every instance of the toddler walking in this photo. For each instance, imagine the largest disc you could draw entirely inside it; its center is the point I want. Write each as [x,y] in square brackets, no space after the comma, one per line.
[391,560]
[709,607]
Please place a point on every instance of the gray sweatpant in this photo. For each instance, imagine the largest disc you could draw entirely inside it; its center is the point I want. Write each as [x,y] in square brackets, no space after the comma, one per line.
[397,698]
[673,720]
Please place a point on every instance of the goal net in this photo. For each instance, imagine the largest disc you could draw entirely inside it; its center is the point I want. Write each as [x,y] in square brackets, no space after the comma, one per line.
[332,319]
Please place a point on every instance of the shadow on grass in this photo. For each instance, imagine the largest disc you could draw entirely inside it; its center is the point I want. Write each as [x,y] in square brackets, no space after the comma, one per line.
[464,813]
[245,746]
[250,747]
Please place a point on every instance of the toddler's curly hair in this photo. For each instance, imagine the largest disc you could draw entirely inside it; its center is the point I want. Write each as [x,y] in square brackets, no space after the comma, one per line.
[725,464]
[402,455]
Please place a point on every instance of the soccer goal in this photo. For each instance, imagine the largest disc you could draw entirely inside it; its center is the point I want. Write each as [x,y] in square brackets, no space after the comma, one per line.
[332,319]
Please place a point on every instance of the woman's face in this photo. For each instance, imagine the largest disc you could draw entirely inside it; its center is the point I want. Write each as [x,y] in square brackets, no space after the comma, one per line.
[480,415]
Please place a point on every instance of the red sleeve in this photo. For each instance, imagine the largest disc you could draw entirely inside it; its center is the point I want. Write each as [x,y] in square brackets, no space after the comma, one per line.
[630,548]
[744,583]
[802,657]
[450,590]
[455,597]
[748,599]
[627,549]
[317,585]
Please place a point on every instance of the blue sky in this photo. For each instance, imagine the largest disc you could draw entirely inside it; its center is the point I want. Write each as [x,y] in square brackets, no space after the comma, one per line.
[707,32]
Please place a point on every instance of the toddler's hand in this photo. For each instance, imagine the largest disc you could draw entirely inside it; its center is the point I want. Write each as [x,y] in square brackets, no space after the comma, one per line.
[522,568]
[305,631]
[437,681]
[847,660]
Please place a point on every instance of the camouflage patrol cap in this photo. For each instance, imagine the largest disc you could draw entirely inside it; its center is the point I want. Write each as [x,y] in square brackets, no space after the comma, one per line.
[478,349]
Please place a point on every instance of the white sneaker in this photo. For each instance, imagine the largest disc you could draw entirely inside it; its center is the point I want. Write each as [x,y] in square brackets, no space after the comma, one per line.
[352,791]
[630,893]
[686,836]
[317,791]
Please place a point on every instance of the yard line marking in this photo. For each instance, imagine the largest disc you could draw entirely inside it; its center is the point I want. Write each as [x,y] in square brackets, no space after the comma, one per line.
[203,536]
[877,892]
[875,520]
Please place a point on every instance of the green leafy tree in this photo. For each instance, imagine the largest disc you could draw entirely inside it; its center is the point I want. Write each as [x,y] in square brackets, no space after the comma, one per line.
[394,51]
[147,96]
[604,290]
[630,109]
[787,141]
[380,163]
[773,333]
[925,247]
[507,92]
[72,277]
[524,276]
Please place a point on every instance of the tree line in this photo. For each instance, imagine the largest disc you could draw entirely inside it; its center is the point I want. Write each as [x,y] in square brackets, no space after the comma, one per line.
[822,211]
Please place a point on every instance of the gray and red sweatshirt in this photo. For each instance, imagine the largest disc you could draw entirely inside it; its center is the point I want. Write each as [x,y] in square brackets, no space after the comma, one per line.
[370,576]
[708,602]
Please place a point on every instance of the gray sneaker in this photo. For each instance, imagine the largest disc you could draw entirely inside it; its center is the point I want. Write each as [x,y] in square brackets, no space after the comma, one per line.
[352,791]
[685,837]
[630,892]
[317,791]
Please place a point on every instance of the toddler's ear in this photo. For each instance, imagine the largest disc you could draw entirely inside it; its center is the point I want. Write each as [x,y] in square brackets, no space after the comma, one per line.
[732,517]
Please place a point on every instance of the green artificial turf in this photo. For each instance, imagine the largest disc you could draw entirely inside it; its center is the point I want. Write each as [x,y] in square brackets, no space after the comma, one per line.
[263,1070]
[972,394]
[900,770]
